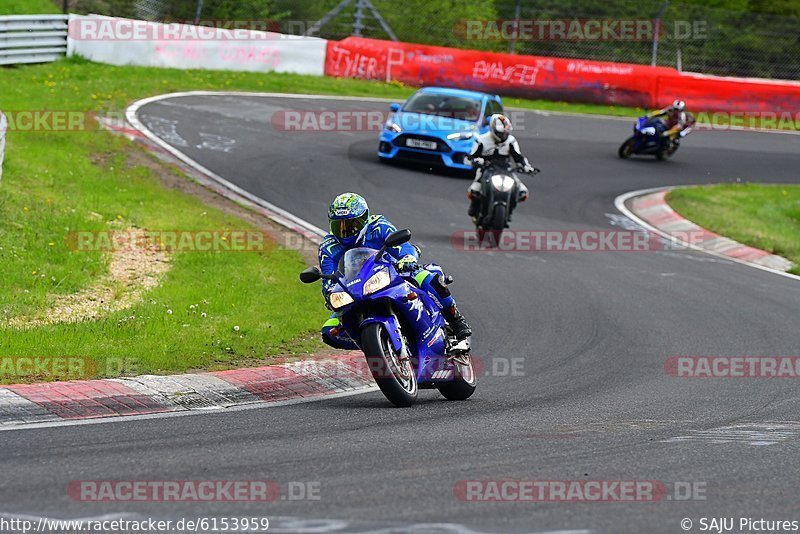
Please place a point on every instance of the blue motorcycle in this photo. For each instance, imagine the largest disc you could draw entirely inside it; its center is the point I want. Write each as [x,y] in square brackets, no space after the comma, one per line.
[397,325]
[647,139]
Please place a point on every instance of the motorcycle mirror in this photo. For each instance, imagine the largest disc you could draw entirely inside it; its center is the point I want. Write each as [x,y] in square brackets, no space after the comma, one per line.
[394,106]
[310,275]
[398,237]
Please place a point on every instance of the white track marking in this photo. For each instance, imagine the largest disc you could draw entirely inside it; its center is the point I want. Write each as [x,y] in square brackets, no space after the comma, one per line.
[283,217]
[756,434]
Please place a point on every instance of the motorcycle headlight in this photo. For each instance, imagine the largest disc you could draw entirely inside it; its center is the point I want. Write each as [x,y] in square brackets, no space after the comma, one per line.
[502,183]
[393,126]
[377,281]
[649,130]
[340,299]
[460,136]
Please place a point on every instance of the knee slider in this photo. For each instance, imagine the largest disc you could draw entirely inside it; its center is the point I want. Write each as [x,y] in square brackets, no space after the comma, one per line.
[440,287]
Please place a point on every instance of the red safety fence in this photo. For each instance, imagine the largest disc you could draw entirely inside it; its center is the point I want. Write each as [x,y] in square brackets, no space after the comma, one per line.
[572,80]
[715,93]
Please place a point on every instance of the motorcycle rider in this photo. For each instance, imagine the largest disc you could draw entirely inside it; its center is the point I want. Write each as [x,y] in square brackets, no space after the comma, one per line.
[497,143]
[677,121]
[351,225]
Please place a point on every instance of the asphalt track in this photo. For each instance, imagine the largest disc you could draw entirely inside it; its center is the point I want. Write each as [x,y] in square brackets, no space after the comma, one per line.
[592,330]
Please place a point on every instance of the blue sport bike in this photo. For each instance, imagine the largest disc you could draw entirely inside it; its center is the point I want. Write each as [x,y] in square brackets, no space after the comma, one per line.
[397,325]
[647,139]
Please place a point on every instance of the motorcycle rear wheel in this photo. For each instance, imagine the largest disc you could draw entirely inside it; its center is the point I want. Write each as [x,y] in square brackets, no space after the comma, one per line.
[464,383]
[395,376]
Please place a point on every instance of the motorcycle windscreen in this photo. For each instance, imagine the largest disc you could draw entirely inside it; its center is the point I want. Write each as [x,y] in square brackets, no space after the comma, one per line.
[353,260]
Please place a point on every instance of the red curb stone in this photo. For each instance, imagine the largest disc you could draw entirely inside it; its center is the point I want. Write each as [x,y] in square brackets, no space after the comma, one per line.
[663,217]
[648,202]
[86,399]
[705,235]
[272,383]
[746,253]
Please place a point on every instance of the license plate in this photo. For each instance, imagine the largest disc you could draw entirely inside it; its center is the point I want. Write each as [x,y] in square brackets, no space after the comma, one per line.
[420,143]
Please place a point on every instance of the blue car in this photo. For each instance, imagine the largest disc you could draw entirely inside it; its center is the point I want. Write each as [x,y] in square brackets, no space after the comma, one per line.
[437,126]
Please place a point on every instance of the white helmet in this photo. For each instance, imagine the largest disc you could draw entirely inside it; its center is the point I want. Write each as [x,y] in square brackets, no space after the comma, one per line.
[500,127]
[679,105]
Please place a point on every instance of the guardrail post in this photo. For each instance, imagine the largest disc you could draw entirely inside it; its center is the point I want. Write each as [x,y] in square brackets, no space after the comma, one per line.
[654,56]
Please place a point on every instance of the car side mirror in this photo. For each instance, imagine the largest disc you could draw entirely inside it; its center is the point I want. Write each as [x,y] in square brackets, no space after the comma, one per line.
[394,106]
[310,275]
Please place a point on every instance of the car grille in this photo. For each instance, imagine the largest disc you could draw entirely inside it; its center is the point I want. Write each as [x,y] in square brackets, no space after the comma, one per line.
[421,157]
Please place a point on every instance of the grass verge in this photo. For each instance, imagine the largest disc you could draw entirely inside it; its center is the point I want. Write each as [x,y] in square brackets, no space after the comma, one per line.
[27,7]
[762,216]
[211,310]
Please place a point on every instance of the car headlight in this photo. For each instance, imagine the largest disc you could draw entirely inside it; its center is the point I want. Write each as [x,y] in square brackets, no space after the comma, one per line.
[377,281]
[393,127]
[340,299]
[460,136]
[502,183]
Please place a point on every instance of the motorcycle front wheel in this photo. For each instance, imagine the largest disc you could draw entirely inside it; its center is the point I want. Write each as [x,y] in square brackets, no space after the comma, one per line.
[499,223]
[626,150]
[391,370]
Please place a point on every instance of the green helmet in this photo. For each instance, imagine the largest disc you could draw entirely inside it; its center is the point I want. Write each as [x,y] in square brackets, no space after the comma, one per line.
[347,216]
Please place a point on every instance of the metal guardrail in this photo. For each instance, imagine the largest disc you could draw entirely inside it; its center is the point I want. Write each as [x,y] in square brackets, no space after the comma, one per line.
[32,38]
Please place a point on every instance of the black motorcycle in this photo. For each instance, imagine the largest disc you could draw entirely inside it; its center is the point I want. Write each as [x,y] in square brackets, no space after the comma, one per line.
[499,195]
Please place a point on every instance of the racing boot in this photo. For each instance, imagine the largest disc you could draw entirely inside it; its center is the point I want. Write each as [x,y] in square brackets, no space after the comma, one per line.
[458,324]
[474,205]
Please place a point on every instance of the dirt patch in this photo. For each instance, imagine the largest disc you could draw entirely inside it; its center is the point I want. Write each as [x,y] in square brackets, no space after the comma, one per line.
[132,271]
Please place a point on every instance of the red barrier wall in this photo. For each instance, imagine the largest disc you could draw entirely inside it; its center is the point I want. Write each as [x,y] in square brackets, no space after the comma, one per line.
[550,78]
[714,93]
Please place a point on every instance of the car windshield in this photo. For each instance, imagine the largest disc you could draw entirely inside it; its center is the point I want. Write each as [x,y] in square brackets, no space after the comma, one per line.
[454,107]
[353,260]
